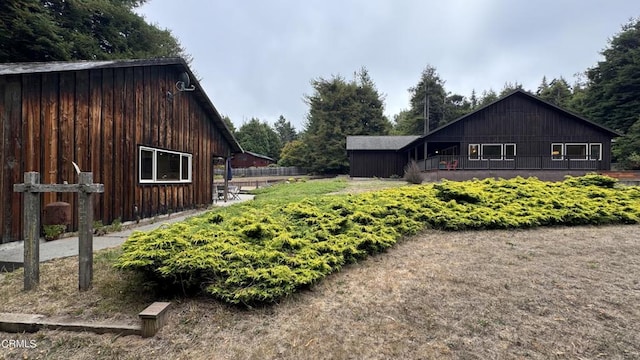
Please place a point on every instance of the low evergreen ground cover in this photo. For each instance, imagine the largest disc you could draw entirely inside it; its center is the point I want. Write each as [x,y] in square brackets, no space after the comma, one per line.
[292,235]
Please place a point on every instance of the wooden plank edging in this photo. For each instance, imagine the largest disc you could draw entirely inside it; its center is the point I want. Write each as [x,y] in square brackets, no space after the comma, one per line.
[152,319]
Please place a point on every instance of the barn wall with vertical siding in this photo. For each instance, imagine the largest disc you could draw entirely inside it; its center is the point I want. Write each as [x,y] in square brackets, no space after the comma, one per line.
[98,118]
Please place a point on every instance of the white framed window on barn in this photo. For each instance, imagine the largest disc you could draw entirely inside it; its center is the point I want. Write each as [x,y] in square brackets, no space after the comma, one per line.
[163,166]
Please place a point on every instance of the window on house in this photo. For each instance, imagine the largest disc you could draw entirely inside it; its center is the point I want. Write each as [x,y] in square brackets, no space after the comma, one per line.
[474,152]
[509,151]
[556,152]
[595,151]
[576,151]
[162,166]
[491,151]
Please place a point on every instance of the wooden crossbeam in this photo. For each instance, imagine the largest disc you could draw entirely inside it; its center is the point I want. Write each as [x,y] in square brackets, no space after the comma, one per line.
[59,188]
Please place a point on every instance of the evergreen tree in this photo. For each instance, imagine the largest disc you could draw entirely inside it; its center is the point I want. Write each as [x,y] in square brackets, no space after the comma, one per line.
[473,99]
[258,136]
[286,131]
[627,148]
[613,93]
[49,30]
[428,98]
[487,97]
[557,92]
[337,109]
[229,124]
[543,87]
[405,123]
[509,88]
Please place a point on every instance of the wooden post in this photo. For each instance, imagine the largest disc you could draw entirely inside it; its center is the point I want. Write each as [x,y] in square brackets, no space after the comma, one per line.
[31,232]
[85,233]
[31,214]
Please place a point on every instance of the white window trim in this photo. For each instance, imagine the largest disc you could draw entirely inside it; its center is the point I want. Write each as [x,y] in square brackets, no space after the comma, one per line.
[504,151]
[599,154]
[154,167]
[586,152]
[561,151]
[469,152]
[497,159]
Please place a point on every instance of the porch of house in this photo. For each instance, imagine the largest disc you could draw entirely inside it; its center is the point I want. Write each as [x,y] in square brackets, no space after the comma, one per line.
[542,162]
[461,168]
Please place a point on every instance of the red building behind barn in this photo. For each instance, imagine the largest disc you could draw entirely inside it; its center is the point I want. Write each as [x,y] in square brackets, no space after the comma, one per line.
[250,159]
[147,132]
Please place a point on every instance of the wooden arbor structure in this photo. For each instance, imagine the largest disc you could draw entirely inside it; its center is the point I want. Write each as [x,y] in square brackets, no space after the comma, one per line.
[31,231]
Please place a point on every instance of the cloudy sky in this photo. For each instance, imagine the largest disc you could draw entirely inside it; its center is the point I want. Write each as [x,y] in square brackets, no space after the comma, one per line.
[256,58]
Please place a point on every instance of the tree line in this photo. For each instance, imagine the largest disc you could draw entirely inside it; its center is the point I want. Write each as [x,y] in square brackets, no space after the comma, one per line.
[54,30]
[607,93]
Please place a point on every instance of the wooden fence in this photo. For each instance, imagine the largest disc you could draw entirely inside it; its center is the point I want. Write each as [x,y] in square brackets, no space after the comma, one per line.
[265,171]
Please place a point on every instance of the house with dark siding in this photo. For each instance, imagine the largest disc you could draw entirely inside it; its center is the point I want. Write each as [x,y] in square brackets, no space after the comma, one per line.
[145,128]
[516,135]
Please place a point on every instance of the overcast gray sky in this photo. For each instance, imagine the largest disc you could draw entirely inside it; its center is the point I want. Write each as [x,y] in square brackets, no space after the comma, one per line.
[256,58]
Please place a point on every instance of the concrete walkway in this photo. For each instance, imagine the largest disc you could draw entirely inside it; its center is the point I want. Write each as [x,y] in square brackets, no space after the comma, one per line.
[12,254]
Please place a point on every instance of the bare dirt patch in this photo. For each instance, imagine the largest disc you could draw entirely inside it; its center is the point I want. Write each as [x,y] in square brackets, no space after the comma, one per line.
[564,293]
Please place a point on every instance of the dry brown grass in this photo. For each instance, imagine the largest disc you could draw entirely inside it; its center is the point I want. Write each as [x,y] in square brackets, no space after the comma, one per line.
[364,185]
[560,293]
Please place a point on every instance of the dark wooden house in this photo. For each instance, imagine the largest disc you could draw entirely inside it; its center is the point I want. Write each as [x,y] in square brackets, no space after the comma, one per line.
[250,159]
[519,134]
[146,131]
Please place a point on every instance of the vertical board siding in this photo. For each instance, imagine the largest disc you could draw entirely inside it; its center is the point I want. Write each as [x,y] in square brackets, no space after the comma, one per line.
[98,118]
[139,120]
[66,134]
[49,118]
[82,147]
[129,147]
[119,100]
[107,143]
[11,157]
[95,140]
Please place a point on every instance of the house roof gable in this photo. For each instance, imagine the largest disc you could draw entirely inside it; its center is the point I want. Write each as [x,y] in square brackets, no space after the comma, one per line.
[63,66]
[518,92]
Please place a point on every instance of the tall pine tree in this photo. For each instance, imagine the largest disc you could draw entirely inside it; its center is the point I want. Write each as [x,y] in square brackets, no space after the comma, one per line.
[337,109]
[613,94]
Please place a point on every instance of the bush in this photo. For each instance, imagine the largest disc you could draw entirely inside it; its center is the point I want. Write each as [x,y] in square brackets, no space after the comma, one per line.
[261,251]
[412,173]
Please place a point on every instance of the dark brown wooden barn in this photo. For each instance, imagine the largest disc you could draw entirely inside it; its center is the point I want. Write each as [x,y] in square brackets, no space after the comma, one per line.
[519,134]
[250,159]
[146,131]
